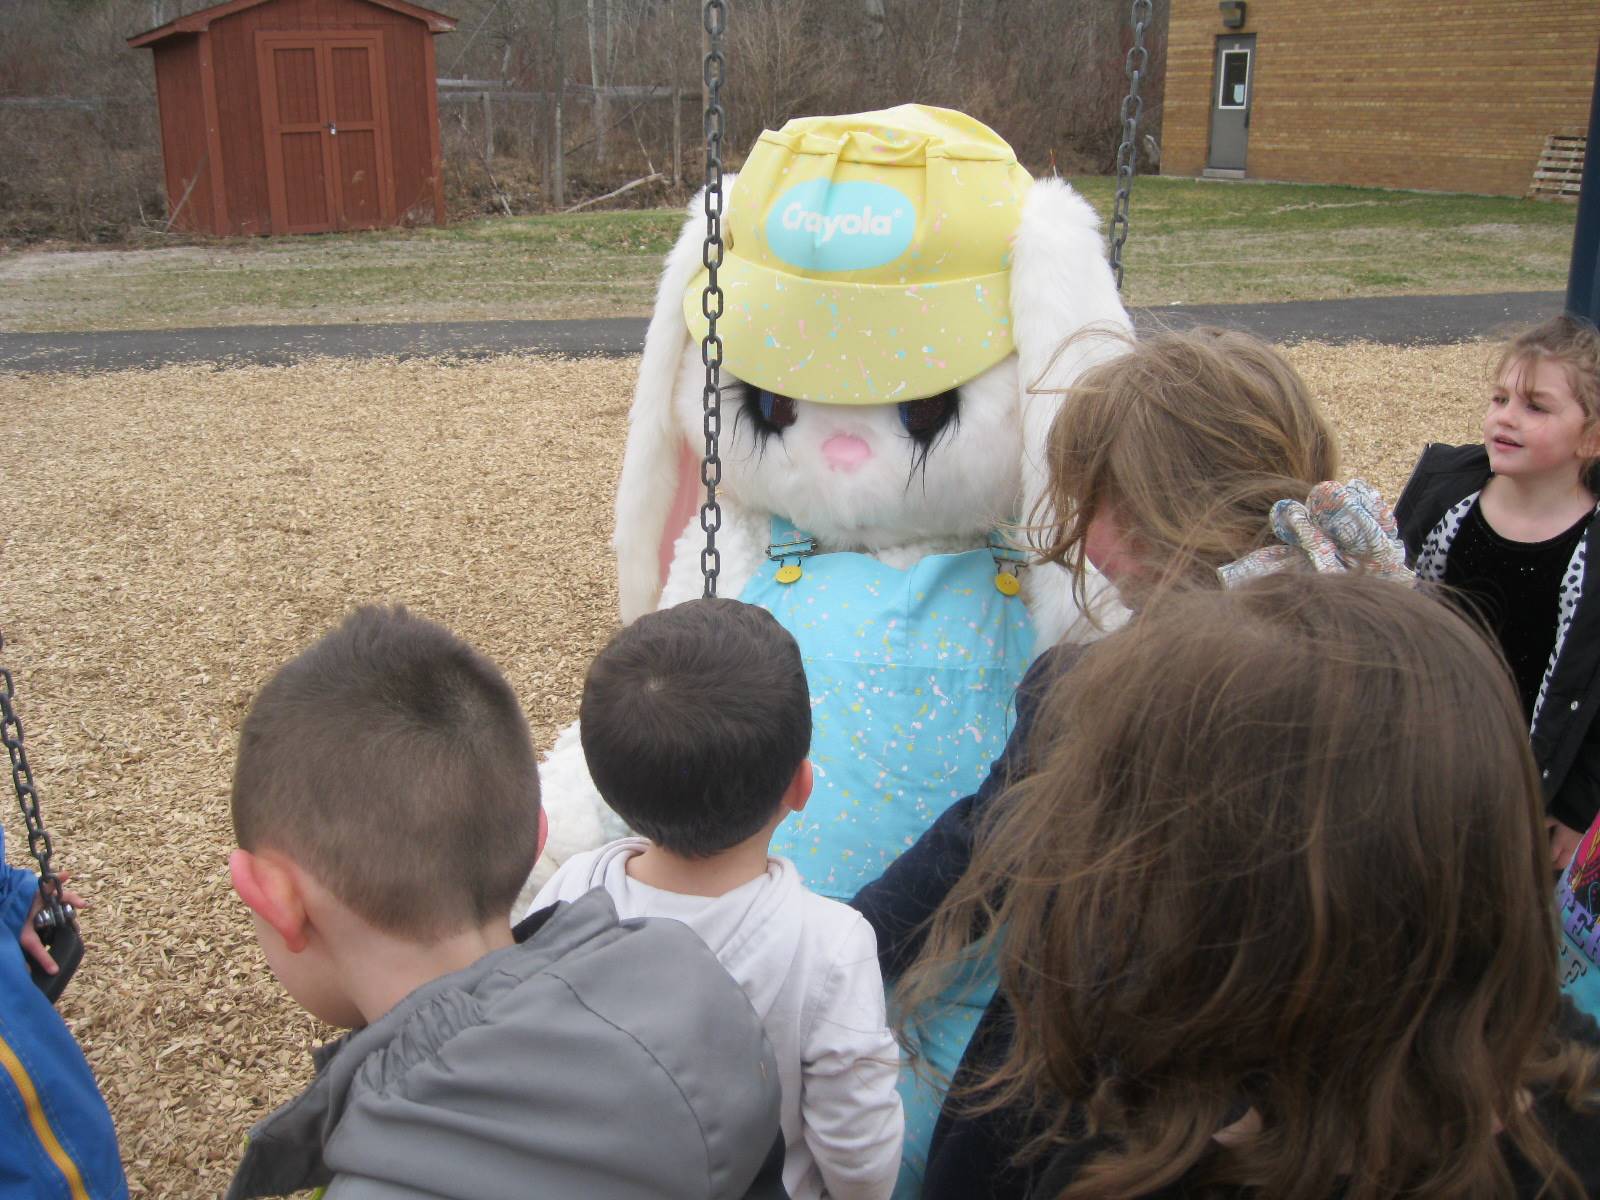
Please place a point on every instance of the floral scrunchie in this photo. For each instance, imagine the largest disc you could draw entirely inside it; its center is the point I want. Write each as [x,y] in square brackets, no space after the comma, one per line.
[1340,527]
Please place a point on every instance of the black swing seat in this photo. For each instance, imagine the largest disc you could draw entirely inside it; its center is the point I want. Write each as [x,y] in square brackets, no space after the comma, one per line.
[57,926]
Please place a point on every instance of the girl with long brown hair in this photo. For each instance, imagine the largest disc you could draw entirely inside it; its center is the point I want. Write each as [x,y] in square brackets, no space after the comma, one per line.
[1272,912]
[1164,466]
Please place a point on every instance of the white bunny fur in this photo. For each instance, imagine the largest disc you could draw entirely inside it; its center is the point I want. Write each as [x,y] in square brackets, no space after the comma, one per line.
[985,471]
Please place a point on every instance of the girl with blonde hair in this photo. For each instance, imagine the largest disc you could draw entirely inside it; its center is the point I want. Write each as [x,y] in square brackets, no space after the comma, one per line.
[1506,527]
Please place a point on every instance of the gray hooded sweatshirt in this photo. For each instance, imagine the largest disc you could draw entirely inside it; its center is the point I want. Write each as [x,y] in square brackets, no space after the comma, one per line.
[598,1058]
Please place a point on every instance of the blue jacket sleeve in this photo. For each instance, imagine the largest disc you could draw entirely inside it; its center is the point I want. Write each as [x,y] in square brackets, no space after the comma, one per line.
[17,889]
[900,902]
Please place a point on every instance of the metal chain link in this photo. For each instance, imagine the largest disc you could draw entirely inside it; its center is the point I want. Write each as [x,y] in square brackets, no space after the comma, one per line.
[28,797]
[715,18]
[1128,152]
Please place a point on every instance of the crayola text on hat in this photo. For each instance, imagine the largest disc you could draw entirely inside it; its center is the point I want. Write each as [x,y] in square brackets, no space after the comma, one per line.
[868,256]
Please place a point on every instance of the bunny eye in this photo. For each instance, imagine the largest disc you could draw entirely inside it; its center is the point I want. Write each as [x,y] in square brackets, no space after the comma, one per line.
[925,419]
[776,410]
[770,412]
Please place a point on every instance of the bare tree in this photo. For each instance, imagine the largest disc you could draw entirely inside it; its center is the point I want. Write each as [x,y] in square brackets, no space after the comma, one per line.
[1046,74]
[596,81]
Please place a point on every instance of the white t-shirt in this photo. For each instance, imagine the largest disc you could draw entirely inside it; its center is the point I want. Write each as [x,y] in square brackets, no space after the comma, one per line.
[810,968]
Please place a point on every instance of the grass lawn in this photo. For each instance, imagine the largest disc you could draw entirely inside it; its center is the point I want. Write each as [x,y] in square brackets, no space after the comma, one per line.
[1192,242]
[1204,242]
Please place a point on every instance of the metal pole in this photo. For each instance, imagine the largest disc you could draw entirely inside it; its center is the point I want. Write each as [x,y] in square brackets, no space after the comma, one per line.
[1583,277]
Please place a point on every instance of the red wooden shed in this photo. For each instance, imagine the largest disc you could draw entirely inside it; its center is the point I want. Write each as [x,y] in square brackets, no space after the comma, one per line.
[300,116]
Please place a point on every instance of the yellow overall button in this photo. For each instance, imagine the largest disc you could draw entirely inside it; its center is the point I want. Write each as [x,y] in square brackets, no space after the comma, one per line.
[788,573]
[1007,584]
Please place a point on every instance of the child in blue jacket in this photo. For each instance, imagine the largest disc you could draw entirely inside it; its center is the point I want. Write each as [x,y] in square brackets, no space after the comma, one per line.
[56,1137]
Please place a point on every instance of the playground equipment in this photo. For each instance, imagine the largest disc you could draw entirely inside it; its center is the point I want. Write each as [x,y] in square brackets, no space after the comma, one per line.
[56,923]
[714,18]
[1583,278]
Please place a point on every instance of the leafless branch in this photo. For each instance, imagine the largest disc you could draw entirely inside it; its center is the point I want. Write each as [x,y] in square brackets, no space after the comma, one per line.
[657,177]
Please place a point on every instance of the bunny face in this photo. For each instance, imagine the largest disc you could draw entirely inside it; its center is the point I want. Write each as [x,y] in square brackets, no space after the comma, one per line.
[871,476]
[889,481]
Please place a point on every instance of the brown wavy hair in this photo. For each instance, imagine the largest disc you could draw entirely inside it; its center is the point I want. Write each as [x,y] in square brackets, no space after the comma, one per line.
[1188,438]
[1283,850]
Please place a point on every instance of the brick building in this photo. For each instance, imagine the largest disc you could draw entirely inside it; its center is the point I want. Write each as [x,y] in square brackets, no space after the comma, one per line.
[1457,95]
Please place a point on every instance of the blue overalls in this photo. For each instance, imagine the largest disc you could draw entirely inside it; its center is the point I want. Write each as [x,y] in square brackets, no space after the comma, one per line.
[913,674]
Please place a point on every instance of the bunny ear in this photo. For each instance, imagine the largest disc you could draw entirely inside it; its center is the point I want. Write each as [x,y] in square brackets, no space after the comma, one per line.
[1065,311]
[1066,317]
[658,493]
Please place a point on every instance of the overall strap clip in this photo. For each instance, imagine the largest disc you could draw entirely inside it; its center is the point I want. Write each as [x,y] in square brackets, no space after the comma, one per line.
[789,543]
[1009,563]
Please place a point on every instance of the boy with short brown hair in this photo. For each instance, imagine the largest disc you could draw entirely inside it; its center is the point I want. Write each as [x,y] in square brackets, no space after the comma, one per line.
[696,724]
[386,803]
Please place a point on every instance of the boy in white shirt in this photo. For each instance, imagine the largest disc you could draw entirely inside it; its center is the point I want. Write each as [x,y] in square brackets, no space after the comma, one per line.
[696,723]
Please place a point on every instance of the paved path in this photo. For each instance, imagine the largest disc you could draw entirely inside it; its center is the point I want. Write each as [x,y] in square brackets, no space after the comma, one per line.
[1393,320]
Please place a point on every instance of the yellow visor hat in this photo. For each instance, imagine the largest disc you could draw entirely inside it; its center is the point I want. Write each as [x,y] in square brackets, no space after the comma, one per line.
[867,257]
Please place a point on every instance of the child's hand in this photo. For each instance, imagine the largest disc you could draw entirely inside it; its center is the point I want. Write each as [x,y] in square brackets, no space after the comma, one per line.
[1563,843]
[35,948]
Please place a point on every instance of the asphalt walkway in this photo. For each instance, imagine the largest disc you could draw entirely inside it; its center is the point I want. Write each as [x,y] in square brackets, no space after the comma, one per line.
[1391,320]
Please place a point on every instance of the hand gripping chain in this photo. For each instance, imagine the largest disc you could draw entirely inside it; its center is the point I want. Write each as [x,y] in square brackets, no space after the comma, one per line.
[55,922]
[28,798]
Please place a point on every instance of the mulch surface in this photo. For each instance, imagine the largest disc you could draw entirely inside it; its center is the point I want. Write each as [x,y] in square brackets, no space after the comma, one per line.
[170,537]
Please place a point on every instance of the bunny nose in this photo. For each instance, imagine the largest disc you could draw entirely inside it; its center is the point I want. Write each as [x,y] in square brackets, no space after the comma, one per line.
[845,452]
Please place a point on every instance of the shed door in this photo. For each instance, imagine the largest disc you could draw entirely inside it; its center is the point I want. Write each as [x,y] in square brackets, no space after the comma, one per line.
[1230,101]
[325,120]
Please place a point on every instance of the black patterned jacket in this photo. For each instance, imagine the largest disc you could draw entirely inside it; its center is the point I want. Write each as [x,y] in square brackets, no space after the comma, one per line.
[1565,737]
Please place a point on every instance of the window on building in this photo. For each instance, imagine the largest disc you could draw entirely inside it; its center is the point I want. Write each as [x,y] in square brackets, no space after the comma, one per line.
[1235,92]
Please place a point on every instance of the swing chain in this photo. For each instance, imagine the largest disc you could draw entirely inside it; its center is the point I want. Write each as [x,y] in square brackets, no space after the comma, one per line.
[1134,68]
[54,913]
[715,19]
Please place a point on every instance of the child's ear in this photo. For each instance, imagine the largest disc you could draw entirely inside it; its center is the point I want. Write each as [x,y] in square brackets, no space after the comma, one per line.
[799,790]
[1589,443]
[268,886]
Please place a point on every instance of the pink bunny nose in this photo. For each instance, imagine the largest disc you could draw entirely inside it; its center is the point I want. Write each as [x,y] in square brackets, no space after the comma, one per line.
[845,452]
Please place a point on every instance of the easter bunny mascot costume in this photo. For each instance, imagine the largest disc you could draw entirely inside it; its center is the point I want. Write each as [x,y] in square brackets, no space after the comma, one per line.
[898,292]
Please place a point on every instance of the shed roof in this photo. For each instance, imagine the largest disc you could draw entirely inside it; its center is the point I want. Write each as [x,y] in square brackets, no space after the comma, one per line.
[196,22]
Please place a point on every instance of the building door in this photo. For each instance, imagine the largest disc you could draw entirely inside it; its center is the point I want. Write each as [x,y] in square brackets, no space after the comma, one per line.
[324,112]
[1230,101]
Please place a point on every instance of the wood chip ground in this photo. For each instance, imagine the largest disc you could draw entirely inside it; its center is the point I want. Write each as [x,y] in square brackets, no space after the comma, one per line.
[170,537]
